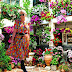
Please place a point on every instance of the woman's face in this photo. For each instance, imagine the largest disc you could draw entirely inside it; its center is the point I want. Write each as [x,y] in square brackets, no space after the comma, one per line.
[22,15]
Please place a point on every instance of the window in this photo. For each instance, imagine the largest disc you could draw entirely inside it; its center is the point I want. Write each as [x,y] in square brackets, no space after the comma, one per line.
[11,1]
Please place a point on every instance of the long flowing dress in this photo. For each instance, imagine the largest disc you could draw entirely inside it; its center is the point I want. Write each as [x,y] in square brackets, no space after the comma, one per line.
[20,47]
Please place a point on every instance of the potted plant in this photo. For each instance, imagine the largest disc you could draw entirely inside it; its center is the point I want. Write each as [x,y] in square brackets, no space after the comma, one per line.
[43,63]
[40,59]
[63,68]
[53,63]
[46,34]
[56,41]
[4,61]
[48,56]
[46,16]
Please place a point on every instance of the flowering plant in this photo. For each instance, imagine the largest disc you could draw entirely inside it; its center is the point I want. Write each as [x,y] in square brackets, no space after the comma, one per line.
[15,61]
[58,6]
[54,61]
[42,0]
[61,19]
[46,34]
[46,16]
[38,52]
[56,31]
[41,59]
[1,37]
[48,51]
[35,20]
[33,60]
[57,40]
[70,54]
[9,29]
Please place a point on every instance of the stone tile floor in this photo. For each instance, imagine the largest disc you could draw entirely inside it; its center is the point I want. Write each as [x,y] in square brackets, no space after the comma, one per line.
[36,69]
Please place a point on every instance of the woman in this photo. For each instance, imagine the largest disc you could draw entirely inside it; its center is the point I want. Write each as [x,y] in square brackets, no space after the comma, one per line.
[19,47]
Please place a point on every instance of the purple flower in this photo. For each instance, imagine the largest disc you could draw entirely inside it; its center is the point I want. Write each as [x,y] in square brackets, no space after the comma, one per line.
[71,2]
[57,28]
[58,33]
[54,30]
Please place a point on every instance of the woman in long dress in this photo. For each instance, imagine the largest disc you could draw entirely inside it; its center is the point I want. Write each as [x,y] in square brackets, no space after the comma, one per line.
[19,47]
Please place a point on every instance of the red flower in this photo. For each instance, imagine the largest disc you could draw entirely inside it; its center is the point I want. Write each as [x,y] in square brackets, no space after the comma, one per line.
[10,10]
[55,38]
[53,41]
[45,50]
[51,52]
[56,41]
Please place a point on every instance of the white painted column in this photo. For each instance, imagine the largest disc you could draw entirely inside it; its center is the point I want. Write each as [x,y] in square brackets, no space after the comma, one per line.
[52,25]
[21,3]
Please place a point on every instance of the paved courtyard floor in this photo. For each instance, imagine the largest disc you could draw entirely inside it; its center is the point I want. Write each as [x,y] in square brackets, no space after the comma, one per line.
[36,69]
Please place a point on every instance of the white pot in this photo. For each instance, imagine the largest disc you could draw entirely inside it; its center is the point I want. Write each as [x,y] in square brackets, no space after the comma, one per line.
[53,67]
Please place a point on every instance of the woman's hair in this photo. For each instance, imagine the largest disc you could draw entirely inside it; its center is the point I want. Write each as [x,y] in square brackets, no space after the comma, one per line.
[22,11]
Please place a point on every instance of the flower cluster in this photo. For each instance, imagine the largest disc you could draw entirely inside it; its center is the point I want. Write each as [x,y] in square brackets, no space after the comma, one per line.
[61,19]
[63,11]
[62,7]
[33,60]
[35,20]
[56,31]
[70,54]
[38,52]
[48,51]
[66,30]
[46,16]
[42,0]
[1,37]
[9,29]
[57,40]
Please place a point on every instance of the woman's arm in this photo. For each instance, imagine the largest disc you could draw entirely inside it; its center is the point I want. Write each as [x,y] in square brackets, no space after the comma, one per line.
[13,34]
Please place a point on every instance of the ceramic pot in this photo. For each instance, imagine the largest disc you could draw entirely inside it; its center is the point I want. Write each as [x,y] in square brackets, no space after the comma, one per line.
[48,59]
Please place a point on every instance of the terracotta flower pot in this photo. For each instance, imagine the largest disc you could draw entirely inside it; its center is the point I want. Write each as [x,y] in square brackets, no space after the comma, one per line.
[19,67]
[12,65]
[5,70]
[43,65]
[38,65]
[48,59]
[62,70]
